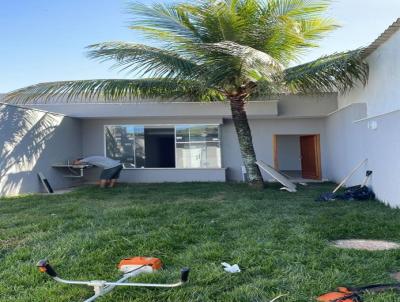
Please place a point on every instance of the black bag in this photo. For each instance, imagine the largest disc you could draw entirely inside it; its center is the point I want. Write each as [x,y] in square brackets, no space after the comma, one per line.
[357,193]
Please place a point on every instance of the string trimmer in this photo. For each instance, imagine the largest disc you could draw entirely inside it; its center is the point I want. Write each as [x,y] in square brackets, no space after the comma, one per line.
[130,267]
[353,294]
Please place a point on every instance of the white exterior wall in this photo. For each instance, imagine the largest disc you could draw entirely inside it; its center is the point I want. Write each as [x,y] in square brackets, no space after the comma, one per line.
[287,105]
[93,143]
[31,141]
[382,93]
[262,129]
[345,143]
[351,140]
[167,110]
[262,132]
[378,102]
[82,133]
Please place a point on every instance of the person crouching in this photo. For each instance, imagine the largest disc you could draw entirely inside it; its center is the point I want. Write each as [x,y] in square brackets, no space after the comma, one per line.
[111,169]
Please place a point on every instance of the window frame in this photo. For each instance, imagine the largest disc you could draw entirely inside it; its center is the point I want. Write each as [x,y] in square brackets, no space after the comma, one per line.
[105,143]
[175,143]
[218,126]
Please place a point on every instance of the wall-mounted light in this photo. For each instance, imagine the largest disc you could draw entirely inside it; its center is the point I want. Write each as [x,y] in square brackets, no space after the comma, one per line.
[372,125]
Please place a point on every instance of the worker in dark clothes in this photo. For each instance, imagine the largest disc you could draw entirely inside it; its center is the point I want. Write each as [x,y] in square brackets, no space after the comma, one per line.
[111,169]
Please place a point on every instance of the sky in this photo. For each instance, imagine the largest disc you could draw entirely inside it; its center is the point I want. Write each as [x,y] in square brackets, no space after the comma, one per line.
[45,40]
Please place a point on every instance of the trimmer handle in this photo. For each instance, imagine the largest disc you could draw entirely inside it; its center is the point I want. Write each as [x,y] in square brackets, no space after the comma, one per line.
[45,267]
[185,274]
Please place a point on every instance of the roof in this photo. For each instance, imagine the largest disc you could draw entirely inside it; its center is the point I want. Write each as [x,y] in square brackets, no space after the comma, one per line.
[389,32]
[2,104]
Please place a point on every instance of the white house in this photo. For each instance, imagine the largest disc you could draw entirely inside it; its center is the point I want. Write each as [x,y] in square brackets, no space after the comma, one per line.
[314,137]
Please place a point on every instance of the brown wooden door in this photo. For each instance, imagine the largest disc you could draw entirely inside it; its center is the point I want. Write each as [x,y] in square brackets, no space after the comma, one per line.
[310,157]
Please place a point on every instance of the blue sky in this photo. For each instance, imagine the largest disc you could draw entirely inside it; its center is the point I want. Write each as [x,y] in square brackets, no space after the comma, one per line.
[44,40]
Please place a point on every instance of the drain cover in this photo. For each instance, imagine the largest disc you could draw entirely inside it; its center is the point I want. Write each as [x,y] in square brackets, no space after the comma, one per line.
[368,245]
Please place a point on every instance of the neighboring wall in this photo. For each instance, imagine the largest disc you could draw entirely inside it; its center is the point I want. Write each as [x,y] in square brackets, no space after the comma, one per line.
[379,104]
[30,142]
[350,140]
[382,94]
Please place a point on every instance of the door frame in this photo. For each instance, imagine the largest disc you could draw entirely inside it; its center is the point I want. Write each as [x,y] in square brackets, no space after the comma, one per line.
[317,151]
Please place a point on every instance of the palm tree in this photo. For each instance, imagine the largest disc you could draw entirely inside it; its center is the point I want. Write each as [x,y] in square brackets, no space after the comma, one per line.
[217,50]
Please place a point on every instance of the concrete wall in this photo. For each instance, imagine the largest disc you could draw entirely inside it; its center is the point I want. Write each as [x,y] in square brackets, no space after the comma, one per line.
[350,140]
[172,175]
[30,142]
[284,105]
[93,142]
[377,104]
[345,143]
[148,109]
[382,94]
[307,105]
[288,147]
[263,131]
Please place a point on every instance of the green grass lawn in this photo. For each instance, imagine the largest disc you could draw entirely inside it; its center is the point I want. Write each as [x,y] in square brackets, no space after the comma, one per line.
[279,239]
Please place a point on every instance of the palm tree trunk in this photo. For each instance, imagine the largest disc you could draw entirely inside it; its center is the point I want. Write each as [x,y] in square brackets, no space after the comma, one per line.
[243,131]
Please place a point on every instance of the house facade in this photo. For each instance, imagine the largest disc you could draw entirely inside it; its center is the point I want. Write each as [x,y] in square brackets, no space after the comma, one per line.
[178,141]
[320,137]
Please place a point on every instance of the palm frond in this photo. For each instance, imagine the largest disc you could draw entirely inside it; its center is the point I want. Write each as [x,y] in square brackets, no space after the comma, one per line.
[162,18]
[335,73]
[251,63]
[111,90]
[145,60]
[298,9]
[316,28]
[280,28]
[161,35]
[221,21]
[251,58]
[287,27]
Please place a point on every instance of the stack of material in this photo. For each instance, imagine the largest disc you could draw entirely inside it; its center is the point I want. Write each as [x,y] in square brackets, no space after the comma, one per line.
[359,192]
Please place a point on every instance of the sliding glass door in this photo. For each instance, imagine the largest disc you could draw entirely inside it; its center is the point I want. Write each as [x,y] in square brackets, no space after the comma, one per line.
[197,146]
[160,147]
[180,146]
[126,144]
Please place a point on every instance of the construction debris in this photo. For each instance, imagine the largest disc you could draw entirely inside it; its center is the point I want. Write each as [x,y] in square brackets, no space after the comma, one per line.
[359,192]
[277,175]
[231,268]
